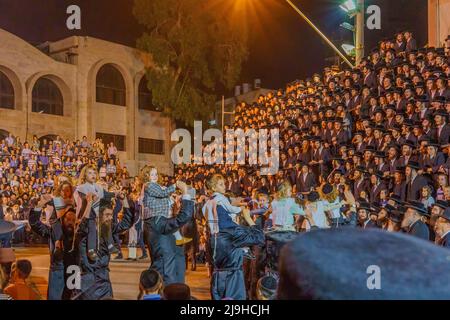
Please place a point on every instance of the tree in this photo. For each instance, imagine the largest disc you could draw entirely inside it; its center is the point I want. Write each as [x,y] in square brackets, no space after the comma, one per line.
[195,50]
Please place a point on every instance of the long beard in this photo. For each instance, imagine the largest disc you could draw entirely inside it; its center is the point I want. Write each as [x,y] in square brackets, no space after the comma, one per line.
[105,230]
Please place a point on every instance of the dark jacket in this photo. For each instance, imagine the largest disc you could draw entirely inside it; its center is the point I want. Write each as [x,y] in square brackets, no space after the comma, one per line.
[413,189]
[158,232]
[445,241]
[95,281]
[420,230]
[57,289]
[228,277]
[305,185]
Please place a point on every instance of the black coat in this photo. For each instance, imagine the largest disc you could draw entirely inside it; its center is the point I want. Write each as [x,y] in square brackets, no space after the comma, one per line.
[374,194]
[400,190]
[158,232]
[95,281]
[445,241]
[359,186]
[444,136]
[420,230]
[57,277]
[413,189]
[305,185]
[228,277]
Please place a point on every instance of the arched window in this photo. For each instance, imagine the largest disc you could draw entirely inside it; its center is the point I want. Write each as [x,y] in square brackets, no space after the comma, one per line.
[47,98]
[6,92]
[3,134]
[110,86]
[146,97]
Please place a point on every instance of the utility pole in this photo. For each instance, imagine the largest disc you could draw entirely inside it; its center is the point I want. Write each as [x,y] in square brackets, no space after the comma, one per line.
[360,25]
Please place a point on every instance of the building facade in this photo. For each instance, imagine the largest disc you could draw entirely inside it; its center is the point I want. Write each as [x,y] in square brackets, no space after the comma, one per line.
[83,86]
[438,22]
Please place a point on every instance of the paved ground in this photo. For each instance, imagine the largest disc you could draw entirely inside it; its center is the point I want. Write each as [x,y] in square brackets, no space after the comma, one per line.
[124,274]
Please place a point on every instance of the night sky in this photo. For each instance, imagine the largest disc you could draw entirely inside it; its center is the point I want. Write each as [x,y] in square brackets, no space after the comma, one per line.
[282,46]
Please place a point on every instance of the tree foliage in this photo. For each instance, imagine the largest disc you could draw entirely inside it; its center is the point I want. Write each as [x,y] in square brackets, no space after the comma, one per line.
[195,50]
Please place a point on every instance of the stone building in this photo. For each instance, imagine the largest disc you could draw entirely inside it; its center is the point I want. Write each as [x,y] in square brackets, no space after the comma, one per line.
[83,86]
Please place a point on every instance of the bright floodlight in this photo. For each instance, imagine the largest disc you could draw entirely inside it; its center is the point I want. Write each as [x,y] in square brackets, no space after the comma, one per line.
[348,26]
[349,49]
[348,6]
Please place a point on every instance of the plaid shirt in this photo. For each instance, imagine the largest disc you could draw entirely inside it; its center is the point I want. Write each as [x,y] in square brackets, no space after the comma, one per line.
[157,200]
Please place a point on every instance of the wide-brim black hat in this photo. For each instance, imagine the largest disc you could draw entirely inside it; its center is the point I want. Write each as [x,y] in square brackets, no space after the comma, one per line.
[418,206]
[446,214]
[413,164]
[335,264]
[441,204]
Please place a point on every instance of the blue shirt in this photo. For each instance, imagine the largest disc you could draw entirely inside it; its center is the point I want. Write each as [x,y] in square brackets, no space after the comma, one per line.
[151,297]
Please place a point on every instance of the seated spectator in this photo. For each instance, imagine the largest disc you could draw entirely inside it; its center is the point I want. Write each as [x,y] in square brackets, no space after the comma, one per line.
[150,285]
[177,291]
[20,288]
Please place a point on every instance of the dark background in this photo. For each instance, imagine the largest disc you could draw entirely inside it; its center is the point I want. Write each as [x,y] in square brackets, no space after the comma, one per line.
[282,46]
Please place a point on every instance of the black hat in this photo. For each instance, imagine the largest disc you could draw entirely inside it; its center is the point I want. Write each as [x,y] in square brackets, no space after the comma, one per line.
[389,208]
[397,199]
[363,205]
[396,216]
[313,196]
[441,204]
[378,174]
[361,169]
[391,106]
[380,154]
[177,291]
[446,214]
[440,99]
[400,169]
[441,113]
[310,269]
[423,98]
[369,148]
[409,143]
[418,206]
[413,164]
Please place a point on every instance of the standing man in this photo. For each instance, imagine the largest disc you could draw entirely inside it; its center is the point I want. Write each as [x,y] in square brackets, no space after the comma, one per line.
[95,281]
[415,182]
[57,289]
[159,231]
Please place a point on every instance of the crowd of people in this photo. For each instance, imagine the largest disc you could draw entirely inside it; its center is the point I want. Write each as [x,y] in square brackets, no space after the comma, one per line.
[364,148]
[379,130]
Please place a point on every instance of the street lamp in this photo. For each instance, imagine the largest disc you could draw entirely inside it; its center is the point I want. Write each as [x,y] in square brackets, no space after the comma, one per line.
[355,8]
[321,34]
[349,6]
[348,26]
[349,49]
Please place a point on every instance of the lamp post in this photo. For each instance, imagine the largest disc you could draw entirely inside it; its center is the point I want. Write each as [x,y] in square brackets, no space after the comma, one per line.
[320,33]
[356,9]
[359,43]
